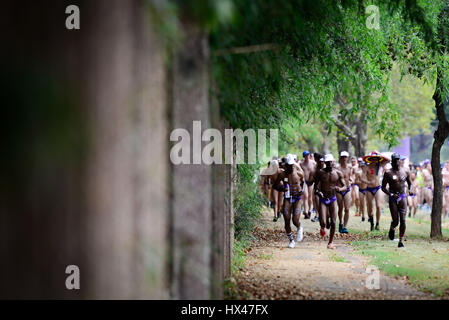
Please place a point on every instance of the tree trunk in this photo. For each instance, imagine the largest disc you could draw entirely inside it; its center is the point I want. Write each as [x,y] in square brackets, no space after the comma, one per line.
[361,138]
[342,142]
[440,136]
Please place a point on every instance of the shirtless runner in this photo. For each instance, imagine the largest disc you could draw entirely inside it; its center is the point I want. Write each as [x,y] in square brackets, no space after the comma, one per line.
[319,159]
[371,173]
[445,176]
[413,196]
[396,178]
[428,182]
[328,182]
[265,185]
[355,186]
[290,182]
[276,197]
[360,183]
[344,196]
[308,166]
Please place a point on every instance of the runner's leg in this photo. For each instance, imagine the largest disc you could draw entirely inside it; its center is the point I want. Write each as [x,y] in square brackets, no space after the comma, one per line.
[356,199]
[333,216]
[305,202]
[340,211]
[394,217]
[347,205]
[275,201]
[369,197]
[362,204]
[402,213]
[310,199]
[296,213]
[287,218]
[378,201]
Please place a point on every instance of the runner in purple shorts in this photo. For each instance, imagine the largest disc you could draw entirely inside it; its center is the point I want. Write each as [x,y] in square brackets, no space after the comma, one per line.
[328,182]
[396,179]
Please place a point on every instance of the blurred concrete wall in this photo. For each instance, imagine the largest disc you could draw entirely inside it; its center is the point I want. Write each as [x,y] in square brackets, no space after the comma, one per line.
[87,177]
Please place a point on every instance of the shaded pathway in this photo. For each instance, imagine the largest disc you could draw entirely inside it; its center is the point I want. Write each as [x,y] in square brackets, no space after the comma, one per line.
[310,270]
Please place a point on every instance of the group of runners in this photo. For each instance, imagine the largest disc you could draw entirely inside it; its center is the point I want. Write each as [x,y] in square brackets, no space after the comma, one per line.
[319,184]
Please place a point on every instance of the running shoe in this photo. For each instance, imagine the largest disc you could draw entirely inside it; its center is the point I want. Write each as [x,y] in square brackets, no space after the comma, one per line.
[315,219]
[291,244]
[331,246]
[371,221]
[299,235]
[363,219]
[400,244]
[377,226]
[306,216]
[322,232]
[391,234]
[275,219]
[344,230]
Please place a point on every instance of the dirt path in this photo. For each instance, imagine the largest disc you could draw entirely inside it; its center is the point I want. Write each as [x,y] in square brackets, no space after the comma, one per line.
[310,270]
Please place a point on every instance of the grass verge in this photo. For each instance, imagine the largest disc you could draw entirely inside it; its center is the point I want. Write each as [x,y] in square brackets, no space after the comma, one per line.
[424,263]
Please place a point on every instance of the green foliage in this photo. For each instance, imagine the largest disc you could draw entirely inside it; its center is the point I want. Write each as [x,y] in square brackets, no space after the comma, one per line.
[322,48]
[247,202]
[414,100]
[238,255]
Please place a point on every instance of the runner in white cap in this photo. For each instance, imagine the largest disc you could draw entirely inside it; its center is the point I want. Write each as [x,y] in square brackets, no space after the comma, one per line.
[290,182]
[327,181]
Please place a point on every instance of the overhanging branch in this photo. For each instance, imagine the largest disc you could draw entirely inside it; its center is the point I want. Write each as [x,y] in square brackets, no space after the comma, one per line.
[247,49]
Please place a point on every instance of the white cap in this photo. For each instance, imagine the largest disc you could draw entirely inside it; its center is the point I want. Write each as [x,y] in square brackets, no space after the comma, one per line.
[290,158]
[329,157]
[344,154]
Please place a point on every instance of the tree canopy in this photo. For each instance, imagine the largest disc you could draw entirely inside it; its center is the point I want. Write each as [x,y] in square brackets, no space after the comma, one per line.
[284,59]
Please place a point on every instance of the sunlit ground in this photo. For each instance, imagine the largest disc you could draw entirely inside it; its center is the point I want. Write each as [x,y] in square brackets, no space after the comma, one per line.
[424,262]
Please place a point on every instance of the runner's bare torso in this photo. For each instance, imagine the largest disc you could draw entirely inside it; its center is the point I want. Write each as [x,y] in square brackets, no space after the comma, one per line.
[359,178]
[329,182]
[372,176]
[308,166]
[427,177]
[346,171]
[294,178]
[445,174]
[397,180]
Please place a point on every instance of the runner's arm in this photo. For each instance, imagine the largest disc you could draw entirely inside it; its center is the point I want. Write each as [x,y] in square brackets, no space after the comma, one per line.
[276,184]
[342,182]
[409,183]
[384,184]
[317,184]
